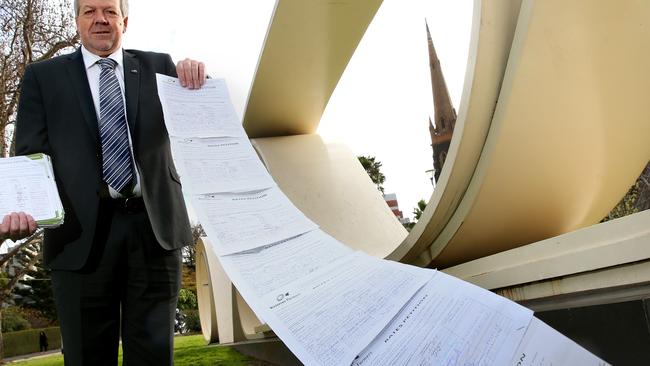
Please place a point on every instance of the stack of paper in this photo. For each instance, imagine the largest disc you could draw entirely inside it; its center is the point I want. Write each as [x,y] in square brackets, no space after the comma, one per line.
[28,185]
[329,304]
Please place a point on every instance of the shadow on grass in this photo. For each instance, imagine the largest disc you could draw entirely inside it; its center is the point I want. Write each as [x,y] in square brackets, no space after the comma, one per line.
[191,350]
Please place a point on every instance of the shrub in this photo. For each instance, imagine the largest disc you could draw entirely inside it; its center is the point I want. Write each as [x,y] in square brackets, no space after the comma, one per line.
[26,341]
[192,321]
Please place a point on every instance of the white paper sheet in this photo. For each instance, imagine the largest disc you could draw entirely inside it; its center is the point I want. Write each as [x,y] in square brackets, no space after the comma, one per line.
[545,346]
[205,112]
[28,185]
[328,317]
[265,269]
[219,164]
[450,322]
[325,302]
[242,221]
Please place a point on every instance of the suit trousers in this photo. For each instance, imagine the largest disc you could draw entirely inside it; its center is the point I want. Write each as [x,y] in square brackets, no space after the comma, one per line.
[128,287]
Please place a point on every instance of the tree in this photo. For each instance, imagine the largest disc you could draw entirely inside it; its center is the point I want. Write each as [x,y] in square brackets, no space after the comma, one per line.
[36,292]
[373,168]
[417,212]
[32,30]
[17,262]
[189,251]
[187,300]
[13,320]
[186,311]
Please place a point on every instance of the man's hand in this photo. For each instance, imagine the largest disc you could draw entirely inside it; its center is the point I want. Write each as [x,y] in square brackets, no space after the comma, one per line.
[191,73]
[16,226]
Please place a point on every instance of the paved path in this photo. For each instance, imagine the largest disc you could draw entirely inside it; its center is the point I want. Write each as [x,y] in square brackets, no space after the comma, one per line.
[32,355]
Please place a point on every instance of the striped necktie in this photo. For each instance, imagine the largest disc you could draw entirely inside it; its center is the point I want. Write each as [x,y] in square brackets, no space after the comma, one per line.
[117,168]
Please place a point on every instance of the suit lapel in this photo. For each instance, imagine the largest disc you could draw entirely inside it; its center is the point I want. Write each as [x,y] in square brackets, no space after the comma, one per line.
[79,81]
[132,88]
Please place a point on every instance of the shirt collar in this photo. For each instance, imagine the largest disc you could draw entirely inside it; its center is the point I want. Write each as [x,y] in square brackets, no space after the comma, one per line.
[90,58]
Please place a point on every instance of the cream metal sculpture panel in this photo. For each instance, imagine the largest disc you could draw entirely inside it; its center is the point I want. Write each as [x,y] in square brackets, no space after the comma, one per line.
[206,278]
[599,246]
[225,317]
[307,47]
[328,184]
[569,134]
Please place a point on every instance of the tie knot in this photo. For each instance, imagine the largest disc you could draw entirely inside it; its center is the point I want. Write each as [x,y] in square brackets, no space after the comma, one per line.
[107,63]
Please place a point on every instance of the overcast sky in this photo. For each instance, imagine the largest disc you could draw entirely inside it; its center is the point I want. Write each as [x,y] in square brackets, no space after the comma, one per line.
[381,104]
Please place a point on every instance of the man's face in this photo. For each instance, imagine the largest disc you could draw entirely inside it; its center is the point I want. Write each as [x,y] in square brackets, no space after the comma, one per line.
[100,24]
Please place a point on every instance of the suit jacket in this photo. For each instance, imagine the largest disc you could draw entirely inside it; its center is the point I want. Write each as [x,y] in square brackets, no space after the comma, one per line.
[56,116]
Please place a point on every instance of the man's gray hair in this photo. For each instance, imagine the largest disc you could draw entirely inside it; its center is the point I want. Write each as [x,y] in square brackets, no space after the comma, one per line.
[124,7]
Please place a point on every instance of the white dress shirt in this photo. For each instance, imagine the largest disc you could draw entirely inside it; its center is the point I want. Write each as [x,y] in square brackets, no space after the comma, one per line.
[92,71]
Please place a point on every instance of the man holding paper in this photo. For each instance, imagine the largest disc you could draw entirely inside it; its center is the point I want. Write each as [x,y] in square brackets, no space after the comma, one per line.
[116,259]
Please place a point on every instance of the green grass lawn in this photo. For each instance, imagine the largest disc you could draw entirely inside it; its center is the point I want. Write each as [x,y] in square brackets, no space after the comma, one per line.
[188,350]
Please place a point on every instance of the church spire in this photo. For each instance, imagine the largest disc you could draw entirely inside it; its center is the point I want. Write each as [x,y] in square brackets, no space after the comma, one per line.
[444,119]
[445,114]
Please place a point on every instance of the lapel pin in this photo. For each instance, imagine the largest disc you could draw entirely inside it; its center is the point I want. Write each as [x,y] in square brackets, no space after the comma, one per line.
[134,71]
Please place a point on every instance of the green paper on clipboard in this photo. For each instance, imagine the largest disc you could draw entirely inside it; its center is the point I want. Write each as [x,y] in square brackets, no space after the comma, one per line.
[27,184]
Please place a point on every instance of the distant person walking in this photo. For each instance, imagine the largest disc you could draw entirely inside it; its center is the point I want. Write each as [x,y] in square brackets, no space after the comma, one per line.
[42,341]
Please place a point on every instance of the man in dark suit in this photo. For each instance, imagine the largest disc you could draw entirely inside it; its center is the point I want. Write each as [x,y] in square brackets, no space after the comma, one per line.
[116,260]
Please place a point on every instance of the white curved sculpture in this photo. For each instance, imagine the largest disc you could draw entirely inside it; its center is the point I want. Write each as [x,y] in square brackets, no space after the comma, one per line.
[559,154]
[551,133]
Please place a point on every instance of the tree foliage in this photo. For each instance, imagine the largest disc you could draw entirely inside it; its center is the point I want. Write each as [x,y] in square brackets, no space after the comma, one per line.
[636,200]
[373,168]
[417,212]
[187,300]
[31,30]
